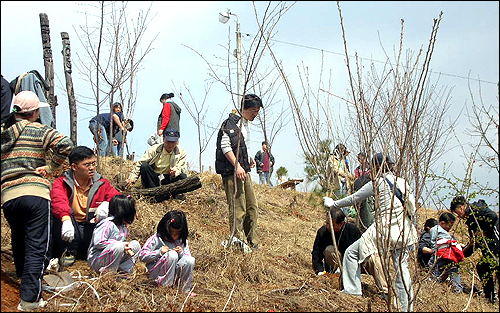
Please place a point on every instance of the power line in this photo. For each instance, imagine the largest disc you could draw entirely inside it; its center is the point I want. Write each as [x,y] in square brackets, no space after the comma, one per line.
[341,54]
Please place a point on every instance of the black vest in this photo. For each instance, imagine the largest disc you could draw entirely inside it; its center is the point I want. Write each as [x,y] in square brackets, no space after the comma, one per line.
[222,164]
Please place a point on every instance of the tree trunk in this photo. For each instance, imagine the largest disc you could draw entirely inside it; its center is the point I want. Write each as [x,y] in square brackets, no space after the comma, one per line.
[66,52]
[48,61]
[163,192]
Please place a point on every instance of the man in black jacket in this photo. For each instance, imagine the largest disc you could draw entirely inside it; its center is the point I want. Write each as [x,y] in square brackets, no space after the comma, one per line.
[233,163]
[264,161]
[483,227]
[323,253]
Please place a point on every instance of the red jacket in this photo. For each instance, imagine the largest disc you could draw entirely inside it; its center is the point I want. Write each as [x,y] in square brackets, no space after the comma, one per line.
[62,193]
[166,111]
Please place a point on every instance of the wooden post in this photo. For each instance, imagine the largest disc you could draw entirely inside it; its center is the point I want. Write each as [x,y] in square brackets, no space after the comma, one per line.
[48,61]
[66,52]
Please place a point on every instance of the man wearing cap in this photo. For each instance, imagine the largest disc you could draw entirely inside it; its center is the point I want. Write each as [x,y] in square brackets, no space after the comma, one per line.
[25,190]
[163,163]
[392,225]
[264,161]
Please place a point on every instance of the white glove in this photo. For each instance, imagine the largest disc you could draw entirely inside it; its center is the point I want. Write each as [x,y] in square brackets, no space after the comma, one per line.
[321,273]
[328,202]
[102,211]
[67,231]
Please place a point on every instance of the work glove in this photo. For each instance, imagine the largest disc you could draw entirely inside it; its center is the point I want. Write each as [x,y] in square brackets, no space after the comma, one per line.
[352,212]
[328,202]
[102,211]
[67,231]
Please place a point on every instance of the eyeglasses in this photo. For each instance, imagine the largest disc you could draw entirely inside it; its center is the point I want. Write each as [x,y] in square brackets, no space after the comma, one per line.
[89,164]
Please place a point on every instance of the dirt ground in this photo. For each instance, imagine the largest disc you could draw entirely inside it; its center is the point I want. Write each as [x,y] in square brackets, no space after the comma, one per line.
[10,285]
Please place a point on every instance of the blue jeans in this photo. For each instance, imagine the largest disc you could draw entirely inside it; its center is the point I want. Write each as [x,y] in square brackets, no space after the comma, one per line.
[351,275]
[103,142]
[265,178]
[445,268]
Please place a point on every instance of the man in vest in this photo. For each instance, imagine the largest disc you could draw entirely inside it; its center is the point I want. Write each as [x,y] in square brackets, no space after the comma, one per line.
[233,164]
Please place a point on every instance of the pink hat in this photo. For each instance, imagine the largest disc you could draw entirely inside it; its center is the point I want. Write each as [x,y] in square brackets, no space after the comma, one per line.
[28,101]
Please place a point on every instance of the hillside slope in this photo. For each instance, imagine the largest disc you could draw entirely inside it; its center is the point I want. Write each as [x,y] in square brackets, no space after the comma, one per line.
[277,277]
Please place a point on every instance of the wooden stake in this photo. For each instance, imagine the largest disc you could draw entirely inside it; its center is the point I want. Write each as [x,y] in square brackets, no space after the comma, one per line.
[66,52]
[48,61]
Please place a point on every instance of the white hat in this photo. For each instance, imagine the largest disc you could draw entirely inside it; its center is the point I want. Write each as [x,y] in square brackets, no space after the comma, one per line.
[28,101]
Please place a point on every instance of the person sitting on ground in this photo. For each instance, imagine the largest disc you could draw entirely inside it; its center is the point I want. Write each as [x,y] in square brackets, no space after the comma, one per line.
[109,249]
[167,254]
[75,199]
[482,223]
[163,163]
[345,234]
[424,244]
[447,253]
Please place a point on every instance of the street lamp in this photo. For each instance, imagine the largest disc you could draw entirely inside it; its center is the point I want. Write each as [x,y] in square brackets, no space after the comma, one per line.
[223,18]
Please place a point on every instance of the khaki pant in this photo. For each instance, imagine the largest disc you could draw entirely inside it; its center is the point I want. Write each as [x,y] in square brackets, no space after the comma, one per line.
[372,265]
[245,208]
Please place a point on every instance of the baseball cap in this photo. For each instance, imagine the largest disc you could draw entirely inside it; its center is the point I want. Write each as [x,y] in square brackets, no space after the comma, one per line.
[171,134]
[28,101]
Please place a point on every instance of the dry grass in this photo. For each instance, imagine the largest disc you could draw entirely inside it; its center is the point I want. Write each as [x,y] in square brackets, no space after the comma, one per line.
[278,277]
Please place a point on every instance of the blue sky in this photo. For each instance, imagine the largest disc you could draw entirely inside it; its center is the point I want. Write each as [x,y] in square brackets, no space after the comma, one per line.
[467,44]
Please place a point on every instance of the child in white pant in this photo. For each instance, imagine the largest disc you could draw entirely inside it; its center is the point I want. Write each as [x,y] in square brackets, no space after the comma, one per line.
[167,255]
[109,250]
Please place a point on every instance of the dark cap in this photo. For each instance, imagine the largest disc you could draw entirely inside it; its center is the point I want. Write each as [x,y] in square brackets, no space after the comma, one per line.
[378,158]
[171,134]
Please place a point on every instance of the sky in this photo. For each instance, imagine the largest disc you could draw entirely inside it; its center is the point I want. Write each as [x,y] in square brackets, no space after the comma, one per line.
[467,45]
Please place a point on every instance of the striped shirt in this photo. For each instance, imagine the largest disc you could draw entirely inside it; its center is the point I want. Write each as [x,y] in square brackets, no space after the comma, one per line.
[24,148]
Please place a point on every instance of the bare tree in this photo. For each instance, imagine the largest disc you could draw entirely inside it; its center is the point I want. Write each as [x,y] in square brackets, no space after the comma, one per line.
[274,116]
[120,63]
[198,112]
[397,111]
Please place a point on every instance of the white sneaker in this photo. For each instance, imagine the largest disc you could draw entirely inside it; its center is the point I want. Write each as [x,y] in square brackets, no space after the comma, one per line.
[26,306]
[237,242]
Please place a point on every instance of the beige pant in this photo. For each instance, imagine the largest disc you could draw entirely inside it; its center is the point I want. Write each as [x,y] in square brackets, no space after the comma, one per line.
[245,208]
[371,265]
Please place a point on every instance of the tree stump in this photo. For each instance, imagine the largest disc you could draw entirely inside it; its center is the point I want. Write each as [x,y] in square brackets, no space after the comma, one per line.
[163,192]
